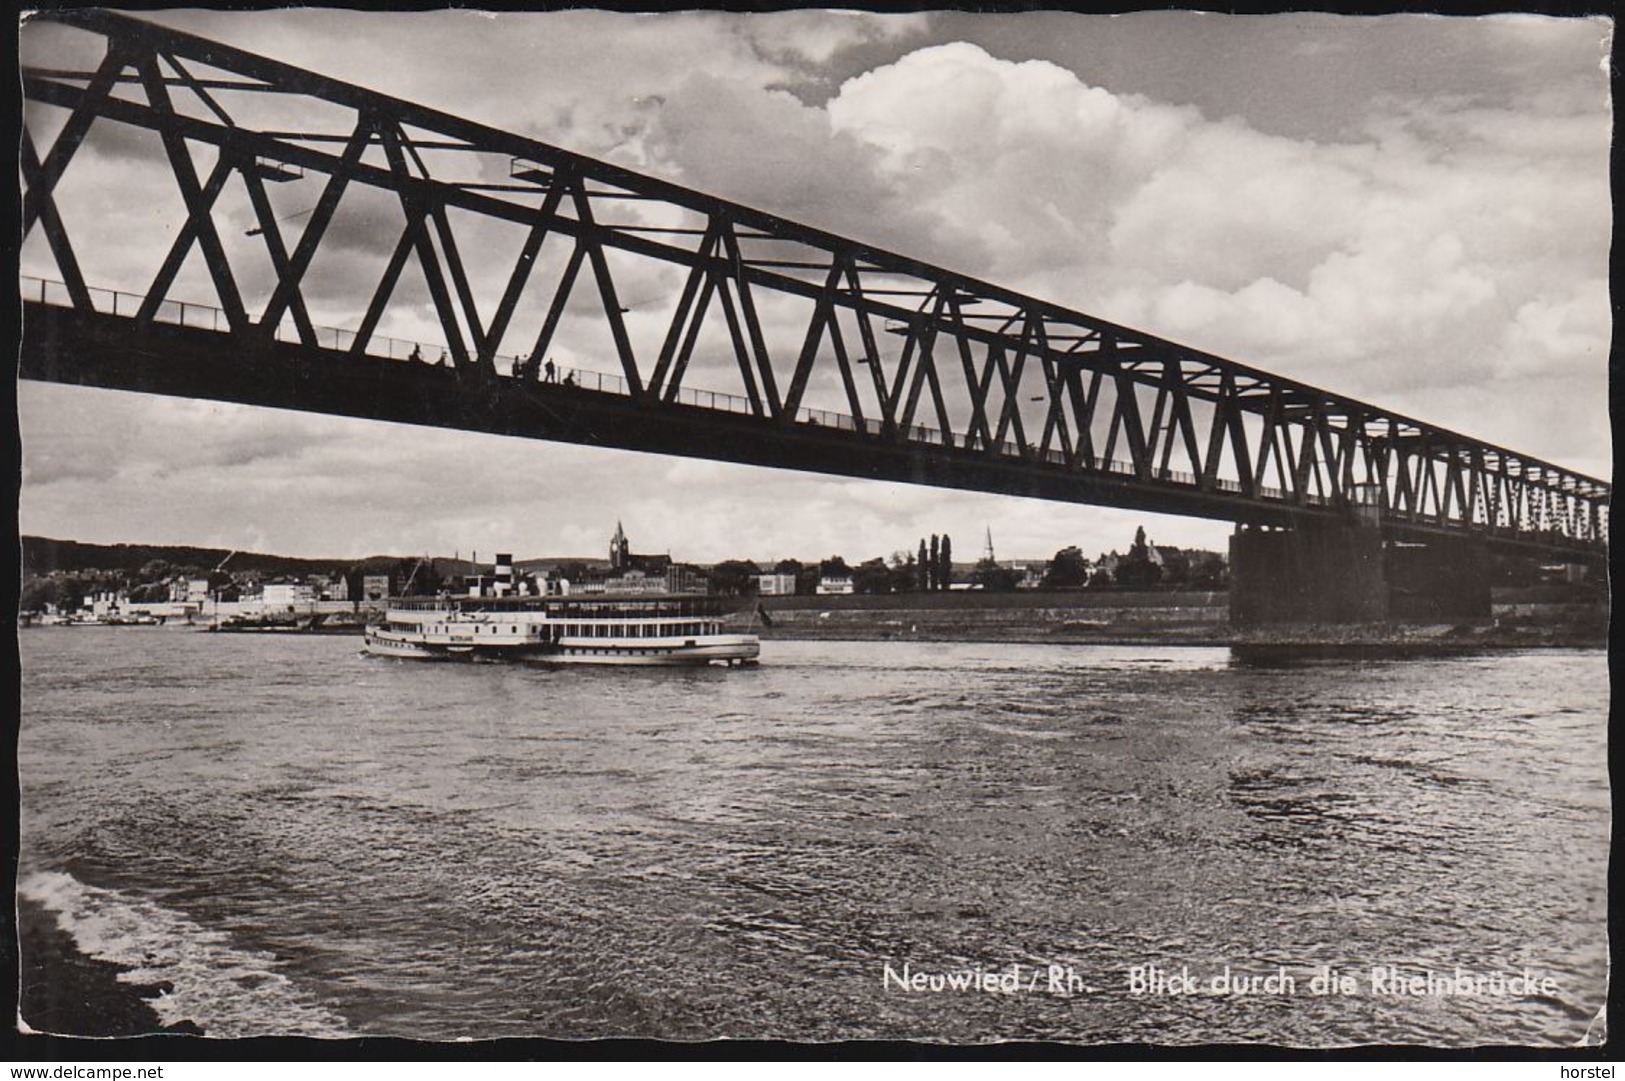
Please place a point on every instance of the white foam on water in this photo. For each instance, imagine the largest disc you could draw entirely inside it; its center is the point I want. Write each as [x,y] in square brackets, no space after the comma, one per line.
[227,990]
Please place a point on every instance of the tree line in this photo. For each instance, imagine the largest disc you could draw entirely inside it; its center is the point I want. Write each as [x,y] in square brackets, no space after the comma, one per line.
[149,583]
[929,568]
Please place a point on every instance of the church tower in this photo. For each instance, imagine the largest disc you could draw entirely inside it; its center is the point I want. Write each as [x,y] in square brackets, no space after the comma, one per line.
[619,550]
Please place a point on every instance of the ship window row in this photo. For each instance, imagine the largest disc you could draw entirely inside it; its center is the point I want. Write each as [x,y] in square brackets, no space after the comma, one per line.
[636,630]
[576,609]
[684,608]
[568,630]
[461,628]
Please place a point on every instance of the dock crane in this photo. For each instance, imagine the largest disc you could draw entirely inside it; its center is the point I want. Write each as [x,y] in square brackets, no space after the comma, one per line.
[406,588]
[214,590]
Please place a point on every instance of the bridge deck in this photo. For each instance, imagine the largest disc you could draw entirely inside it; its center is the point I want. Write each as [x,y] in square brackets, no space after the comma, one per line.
[102,350]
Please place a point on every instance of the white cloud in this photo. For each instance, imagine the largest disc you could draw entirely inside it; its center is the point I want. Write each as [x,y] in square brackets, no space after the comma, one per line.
[815,37]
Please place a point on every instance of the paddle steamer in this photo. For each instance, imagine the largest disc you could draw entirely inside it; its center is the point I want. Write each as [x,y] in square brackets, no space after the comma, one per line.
[527,620]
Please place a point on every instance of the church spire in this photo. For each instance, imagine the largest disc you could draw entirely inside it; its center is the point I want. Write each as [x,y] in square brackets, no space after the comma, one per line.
[619,550]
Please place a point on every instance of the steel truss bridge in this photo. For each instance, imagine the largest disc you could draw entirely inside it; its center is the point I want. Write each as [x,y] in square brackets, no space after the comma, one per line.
[839,357]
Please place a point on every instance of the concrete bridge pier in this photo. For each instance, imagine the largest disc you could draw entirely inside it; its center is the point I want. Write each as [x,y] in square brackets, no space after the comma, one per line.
[1343,572]
[1446,580]
[1315,573]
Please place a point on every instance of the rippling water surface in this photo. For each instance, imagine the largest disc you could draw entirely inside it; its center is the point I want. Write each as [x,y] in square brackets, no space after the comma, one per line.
[303,840]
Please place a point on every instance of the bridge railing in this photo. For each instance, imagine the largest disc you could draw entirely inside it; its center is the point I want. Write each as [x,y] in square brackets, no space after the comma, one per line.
[187,313]
[211,317]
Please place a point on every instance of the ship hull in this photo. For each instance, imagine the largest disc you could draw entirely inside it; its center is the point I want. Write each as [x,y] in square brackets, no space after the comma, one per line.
[732,649]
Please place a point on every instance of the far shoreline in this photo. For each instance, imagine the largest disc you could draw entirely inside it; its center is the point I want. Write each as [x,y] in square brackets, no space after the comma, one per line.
[1302,642]
[1539,618]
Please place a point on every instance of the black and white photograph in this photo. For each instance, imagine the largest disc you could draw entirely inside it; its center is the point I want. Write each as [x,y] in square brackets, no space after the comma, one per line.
[814,526]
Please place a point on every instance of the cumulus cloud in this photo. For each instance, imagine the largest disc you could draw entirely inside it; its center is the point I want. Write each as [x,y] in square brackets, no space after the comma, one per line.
[815,37]
[1418,239]
[778,153]
[1428,251]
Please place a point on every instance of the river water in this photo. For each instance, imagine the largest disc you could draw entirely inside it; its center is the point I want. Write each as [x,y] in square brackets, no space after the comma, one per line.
[302,840]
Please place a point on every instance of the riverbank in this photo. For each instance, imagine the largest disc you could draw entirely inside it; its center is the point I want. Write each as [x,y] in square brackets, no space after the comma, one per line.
[1519,621]
[1299,640]
[66,993]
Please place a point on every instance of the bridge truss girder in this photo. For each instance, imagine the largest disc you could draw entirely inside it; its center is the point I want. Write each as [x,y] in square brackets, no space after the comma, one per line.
[809,326]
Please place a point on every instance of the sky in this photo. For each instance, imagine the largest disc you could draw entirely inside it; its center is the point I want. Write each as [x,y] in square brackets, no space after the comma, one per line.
[1409,210]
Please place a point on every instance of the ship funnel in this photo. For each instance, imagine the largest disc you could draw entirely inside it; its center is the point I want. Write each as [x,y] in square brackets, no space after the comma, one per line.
[504,574]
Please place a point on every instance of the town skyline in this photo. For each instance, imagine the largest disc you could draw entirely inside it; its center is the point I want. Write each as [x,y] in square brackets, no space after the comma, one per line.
[65,580]
[966,554]
[1409,210]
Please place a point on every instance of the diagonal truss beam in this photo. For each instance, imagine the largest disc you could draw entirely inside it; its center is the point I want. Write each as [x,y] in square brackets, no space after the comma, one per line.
[1060,388]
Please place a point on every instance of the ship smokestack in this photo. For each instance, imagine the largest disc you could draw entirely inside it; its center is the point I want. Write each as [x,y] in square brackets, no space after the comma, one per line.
[504,574]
